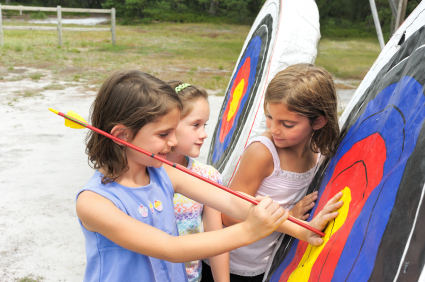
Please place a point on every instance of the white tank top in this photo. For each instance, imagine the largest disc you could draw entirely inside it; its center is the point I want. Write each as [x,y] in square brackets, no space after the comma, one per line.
[285,187]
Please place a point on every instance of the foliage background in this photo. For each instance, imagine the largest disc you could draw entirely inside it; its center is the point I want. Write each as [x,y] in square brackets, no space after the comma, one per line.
[339,18]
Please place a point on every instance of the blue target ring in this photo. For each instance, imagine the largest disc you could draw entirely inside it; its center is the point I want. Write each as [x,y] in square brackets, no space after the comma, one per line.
[252,53]
[240,94]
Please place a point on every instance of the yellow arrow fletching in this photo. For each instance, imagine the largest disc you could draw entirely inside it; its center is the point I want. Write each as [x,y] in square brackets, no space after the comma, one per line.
[72,124]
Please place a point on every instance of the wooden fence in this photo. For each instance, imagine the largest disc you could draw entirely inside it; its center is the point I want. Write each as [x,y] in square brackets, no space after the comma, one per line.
[59,28]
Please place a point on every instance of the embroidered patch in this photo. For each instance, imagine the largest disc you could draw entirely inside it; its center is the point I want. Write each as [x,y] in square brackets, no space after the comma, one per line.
[158,205]
[151,207]
[143,211]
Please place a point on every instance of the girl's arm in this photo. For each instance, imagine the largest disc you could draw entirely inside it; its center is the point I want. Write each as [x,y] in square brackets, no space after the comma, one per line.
[98,214]
[219,264]
[256,164]
[237,208]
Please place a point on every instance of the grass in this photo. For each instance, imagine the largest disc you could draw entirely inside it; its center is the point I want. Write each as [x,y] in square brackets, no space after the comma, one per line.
[28,93]
[348,58]
[25,94]
[186,52]
[76,77]
[30,278]
[54,86]
[203,54]
[40,15]
[36,76]
[16,78]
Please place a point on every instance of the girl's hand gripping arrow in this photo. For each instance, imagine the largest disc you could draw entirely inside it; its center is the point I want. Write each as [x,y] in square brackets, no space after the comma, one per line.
[73,120]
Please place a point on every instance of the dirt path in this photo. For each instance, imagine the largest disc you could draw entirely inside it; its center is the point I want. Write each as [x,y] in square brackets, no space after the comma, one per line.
[42,167]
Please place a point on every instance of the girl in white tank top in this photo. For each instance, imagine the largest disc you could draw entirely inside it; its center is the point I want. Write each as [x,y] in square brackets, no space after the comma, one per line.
[301,116]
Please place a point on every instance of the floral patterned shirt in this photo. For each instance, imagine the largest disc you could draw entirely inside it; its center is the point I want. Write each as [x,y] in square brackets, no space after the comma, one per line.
[189,214]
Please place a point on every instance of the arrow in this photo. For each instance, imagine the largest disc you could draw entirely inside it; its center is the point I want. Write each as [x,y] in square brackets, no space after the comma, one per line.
[73,120]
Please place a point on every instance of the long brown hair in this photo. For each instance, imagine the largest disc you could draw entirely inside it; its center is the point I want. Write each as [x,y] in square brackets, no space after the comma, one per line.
[309,91]
[188,95]
[131,98]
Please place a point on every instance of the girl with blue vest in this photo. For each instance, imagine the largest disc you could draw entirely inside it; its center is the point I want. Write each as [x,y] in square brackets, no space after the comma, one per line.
[126,209]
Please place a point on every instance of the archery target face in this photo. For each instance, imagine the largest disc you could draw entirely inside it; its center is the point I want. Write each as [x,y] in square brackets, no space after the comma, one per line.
[379,166]
[241,93]
[285,32]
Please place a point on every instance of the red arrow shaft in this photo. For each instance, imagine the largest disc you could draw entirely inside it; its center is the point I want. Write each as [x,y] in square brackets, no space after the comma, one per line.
[184,169]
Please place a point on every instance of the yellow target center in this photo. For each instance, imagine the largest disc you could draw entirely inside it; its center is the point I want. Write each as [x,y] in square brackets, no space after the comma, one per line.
[237,94]
[303,270]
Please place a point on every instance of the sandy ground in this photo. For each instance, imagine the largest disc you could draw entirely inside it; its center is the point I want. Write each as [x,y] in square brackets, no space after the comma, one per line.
[42,167]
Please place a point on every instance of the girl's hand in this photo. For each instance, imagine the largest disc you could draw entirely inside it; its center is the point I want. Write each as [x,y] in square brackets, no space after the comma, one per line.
[321,220]
[302,207]
[264,218]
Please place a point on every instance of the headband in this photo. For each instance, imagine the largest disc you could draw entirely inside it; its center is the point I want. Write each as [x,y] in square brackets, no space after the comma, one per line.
[181,87]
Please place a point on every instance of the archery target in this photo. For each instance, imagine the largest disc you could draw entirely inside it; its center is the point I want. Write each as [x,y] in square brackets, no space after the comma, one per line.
[284,33]
[379,166]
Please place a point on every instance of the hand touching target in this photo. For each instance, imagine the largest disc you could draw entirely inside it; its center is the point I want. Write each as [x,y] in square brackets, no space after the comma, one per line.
[379,166]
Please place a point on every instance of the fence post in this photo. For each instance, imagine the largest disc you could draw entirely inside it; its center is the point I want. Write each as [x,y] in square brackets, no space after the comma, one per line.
[113,25]
[20,11]
[1,29]
[59,26]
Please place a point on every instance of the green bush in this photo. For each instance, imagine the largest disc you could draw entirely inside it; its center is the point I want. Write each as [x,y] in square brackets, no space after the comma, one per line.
[11,13]
[353,18]
[75,14]
[334,27]
[339,18]
[39,15]
[170,16]
[185,11]
[187,18]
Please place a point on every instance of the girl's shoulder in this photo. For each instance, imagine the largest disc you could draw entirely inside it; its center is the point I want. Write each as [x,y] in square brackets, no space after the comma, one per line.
[262,152]
[266,139]
[262,147]
[267,135]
